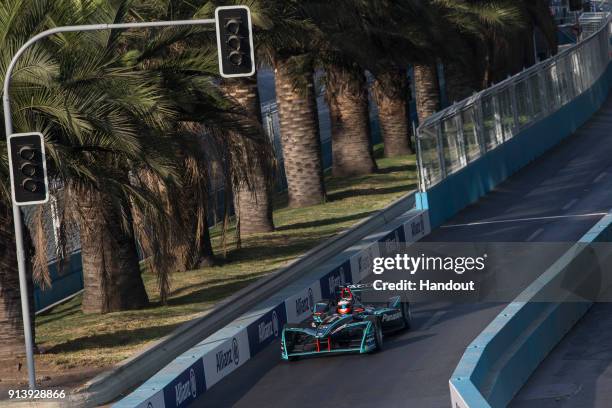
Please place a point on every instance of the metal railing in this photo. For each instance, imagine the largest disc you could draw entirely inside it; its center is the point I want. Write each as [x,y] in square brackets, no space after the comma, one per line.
[454,137]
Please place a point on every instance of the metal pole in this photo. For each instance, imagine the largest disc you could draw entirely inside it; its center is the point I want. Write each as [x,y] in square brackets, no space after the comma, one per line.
[8,125]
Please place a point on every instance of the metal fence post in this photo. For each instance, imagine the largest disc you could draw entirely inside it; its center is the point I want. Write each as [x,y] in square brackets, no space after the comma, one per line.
[499,132]
[515,113]
[479,122]
[441,150]
[461,145]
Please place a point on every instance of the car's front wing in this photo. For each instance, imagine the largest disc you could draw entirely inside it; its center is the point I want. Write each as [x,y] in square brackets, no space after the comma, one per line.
[355,337]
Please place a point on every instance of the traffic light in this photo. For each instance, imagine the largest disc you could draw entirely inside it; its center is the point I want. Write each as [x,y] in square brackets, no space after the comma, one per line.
[28,168]
[235,41]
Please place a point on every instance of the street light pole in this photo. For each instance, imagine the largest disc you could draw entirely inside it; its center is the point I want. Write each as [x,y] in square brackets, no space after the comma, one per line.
[8,125]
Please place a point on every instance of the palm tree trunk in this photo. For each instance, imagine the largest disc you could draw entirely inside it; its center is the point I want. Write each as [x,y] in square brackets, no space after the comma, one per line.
[391,94]
[253,200]
[12,348]
[427,89]
[299,123]
[347,97]
[111,270]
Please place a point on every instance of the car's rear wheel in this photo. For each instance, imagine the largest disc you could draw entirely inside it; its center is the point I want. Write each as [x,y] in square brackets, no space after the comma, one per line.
[406,314]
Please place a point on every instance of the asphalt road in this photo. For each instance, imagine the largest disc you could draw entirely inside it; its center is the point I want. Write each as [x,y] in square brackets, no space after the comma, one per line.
[578,372]
[556,198]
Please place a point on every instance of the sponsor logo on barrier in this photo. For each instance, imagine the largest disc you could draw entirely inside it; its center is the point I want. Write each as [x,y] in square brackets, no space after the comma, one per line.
[235,351]
[361,263]
[300,306]
[304,304]
[227,356]
[268,327]
[335,278]
[185,388]
[417,227]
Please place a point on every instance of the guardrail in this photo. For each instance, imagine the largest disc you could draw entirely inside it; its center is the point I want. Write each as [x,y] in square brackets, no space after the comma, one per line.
[458,135]
[466,150]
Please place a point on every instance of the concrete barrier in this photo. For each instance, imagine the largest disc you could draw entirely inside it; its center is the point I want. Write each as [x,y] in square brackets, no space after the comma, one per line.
[500,360]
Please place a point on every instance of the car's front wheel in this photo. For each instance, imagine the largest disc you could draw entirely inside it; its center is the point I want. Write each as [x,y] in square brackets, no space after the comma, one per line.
[378,333]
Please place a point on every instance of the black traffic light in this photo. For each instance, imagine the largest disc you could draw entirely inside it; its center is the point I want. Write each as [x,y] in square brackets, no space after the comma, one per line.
[28,169]
[235,41]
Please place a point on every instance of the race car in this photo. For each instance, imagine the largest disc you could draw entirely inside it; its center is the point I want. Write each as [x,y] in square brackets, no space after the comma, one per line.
[344,325]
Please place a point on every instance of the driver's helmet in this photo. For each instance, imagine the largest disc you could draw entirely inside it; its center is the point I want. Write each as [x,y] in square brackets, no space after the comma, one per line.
[344,306]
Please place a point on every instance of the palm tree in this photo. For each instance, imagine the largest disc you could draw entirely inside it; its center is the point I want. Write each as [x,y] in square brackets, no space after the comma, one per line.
[83,130]
[299,125]
[285,42]
[506,55]
[427,89]
[11,326]
[16,25]
[368,34]
[252,191]
[346,92]
[391,91]
[469,27]
[252,198]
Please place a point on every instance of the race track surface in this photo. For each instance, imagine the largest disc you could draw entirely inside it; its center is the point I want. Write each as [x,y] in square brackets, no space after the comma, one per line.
[571,184]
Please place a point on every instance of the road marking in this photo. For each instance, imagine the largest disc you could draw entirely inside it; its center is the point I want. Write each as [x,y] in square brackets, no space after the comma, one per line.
[433,320]
[535,234]
[568,205]
[598,178]
[473,224]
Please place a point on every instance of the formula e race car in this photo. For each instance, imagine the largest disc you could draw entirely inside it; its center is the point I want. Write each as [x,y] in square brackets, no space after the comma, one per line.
[344,325]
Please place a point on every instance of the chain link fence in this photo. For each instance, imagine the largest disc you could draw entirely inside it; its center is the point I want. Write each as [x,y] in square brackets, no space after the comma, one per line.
[452,138]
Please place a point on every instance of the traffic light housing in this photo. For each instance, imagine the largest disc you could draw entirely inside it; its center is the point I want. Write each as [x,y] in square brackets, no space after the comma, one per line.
[235,41]
[28,169]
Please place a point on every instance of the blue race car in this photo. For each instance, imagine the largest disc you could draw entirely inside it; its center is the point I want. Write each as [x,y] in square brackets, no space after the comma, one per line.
[344,325]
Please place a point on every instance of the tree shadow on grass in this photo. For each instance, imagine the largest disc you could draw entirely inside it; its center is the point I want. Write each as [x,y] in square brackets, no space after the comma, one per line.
[117,338]
[341,195]
[51,315]
[278,247]
[209,292]
[395,169]
[327,221]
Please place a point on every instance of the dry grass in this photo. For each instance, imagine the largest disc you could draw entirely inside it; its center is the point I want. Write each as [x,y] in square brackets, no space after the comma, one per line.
[72,340]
